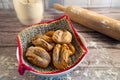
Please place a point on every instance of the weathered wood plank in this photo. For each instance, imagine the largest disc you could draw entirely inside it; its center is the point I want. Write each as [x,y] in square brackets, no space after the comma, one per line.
[87,73]
[102,61]
[11,23]
[6,24]
[9,66]
[7,39]
[99,56]
[87,69]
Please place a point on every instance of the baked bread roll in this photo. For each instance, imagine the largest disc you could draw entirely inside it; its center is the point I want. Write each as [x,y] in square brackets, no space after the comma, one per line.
[49,33]
[44,37]
[72,49]
[62,36]
[60,56]
[38,56]
[53,44]
[42,43]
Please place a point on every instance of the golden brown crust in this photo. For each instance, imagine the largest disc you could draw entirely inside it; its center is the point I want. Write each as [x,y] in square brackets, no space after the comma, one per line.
[62,36]
[58,45]
[38,56]
[72,49]
[44,37]
[42,43]
[49,33]
[60,56]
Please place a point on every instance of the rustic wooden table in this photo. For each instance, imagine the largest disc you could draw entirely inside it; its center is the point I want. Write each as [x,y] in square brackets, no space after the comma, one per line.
[101,63]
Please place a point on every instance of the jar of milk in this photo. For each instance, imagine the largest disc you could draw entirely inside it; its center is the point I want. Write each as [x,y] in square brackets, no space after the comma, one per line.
[29,11]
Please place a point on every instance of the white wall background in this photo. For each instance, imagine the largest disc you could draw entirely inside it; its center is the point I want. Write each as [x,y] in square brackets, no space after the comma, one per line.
[93,3]
[7,4]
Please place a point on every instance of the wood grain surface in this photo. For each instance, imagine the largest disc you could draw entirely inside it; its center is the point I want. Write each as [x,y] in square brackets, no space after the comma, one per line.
[101,63]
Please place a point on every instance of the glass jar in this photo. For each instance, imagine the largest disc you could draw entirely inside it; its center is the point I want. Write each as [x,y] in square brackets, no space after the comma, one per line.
[29,11]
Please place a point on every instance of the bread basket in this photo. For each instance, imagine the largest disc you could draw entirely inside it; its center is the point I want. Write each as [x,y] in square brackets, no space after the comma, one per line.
[24,41]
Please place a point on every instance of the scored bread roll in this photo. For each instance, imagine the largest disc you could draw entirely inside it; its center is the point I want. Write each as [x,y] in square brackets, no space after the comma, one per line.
[71,48]
[50,43]
[42,43]
[38,56]
[62,36]
[44,37]
[61,54]
[49,33]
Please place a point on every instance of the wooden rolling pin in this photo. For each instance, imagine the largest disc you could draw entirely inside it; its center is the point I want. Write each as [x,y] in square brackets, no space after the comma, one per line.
[90,19]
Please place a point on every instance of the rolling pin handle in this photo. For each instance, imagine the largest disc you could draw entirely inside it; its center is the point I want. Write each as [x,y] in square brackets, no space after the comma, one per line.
[59,7]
